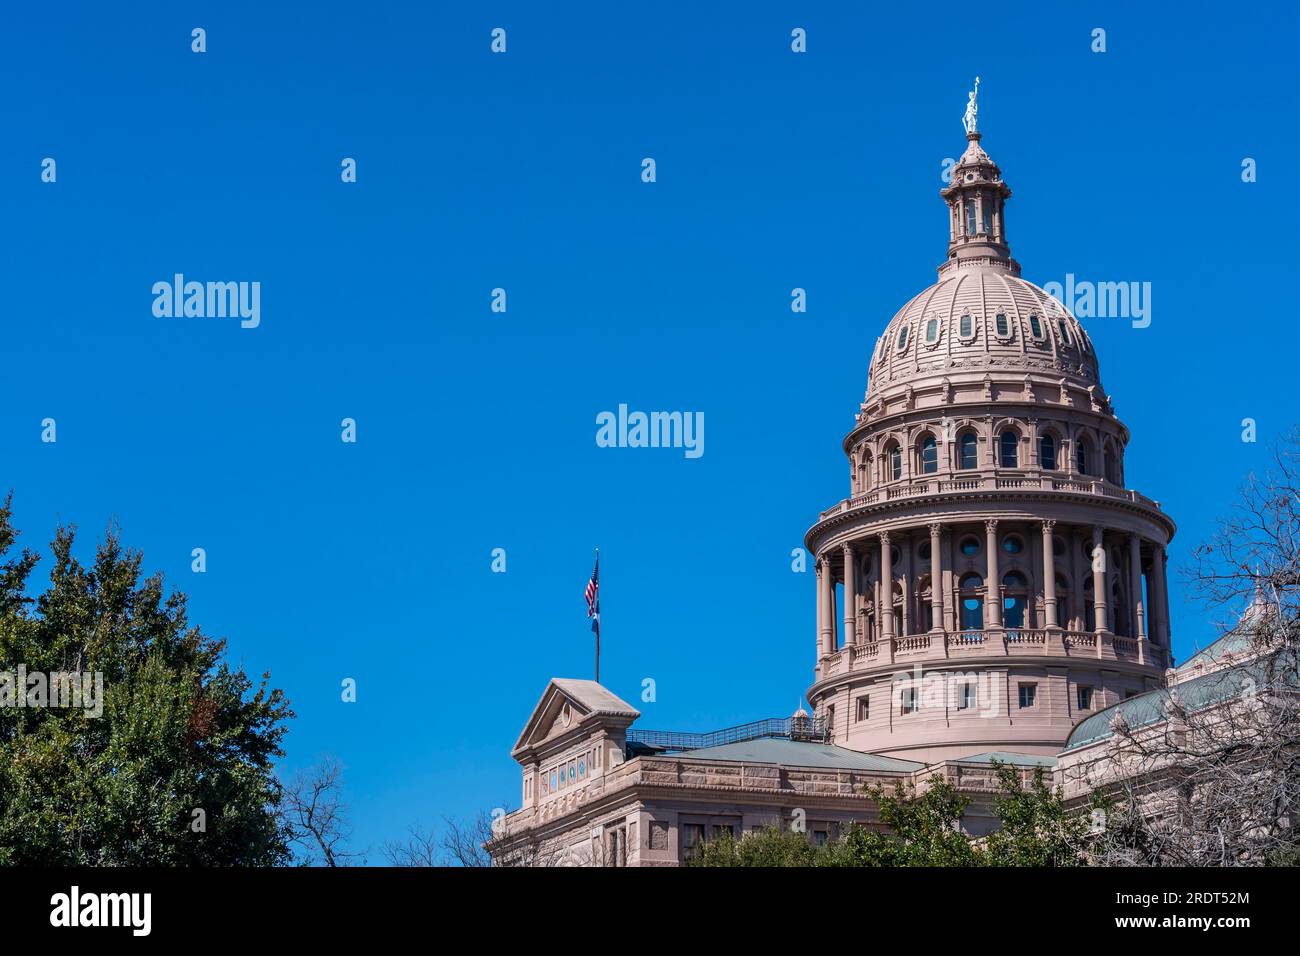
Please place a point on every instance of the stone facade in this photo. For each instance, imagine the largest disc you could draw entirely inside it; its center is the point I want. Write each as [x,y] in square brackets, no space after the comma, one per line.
[989,582]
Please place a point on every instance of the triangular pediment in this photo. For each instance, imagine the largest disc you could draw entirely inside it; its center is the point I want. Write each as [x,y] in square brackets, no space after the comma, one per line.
[566,705]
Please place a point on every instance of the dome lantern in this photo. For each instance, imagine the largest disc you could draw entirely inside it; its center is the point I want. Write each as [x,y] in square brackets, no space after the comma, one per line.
[976,199]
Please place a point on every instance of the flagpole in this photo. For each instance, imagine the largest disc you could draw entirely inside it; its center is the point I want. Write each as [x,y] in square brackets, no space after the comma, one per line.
[598,615]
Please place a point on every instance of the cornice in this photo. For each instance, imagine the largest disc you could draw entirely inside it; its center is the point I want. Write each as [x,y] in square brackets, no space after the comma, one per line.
[985,663]
[923,508]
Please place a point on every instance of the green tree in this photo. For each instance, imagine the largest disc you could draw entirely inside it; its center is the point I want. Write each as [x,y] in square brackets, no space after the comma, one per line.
[1036,828]
[924,830]
[179,732]
[770,847]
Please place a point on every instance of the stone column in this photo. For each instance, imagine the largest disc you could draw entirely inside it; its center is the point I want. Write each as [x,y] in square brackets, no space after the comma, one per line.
[1160,608]
[1099,596]
[850,599]
[936,578]
[821,608]
[875,597]
[1049,576]
[992,585]
[886,588]
[1135,585]
[827,605]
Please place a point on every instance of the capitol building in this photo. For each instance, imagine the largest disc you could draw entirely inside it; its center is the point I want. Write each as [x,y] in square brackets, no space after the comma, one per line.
[990,590]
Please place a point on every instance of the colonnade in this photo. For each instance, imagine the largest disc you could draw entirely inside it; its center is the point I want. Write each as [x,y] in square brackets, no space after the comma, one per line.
[870,601]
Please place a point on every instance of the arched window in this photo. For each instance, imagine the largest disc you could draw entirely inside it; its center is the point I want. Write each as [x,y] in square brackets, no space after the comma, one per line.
[1047,452]
[864,473]
[1009,447]
[1112,464]
[972,606]
[1014,597]
[902,338]
[931,331]
[929,455]
[966,451]
[1065,332]
[895,462]
[1035,325]
[967,327]
[1082,456]
[1002,324]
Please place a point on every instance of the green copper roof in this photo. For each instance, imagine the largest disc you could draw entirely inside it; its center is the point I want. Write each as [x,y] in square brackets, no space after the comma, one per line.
[1149,708]
[1234,642]
[1240,641]
[798,753]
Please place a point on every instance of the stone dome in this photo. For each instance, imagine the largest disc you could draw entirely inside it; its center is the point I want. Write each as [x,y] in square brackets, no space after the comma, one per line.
[991,574]
[982,319]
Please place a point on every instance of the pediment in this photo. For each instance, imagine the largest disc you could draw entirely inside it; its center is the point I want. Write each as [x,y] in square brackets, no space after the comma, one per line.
[568,704]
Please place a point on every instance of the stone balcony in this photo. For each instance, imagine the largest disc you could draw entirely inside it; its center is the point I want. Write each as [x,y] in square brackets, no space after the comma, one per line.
[994,481]
[990,643]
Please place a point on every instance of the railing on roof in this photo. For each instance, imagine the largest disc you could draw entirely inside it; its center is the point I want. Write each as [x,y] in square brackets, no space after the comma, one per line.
[991,481]
[815,729]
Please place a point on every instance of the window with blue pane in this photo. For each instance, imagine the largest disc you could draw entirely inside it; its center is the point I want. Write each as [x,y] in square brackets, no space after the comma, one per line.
[929,455]
[968,451]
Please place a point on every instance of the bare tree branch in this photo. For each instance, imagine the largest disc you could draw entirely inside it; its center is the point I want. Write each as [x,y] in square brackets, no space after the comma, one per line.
[1217,782]
[313,809]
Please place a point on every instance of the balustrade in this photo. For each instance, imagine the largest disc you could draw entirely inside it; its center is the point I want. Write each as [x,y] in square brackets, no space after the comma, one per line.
[992,643]
[990,482]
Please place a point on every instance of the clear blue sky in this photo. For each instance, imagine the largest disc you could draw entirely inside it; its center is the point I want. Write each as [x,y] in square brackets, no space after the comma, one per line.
[476,430]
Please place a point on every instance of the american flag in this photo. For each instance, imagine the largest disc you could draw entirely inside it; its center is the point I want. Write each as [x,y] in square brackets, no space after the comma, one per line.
[593,596]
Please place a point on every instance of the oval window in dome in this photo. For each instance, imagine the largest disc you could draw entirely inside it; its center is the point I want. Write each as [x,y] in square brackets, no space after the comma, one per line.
[931,331]
[967,325]
[1035,325]
[1003,326]
[902,338]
